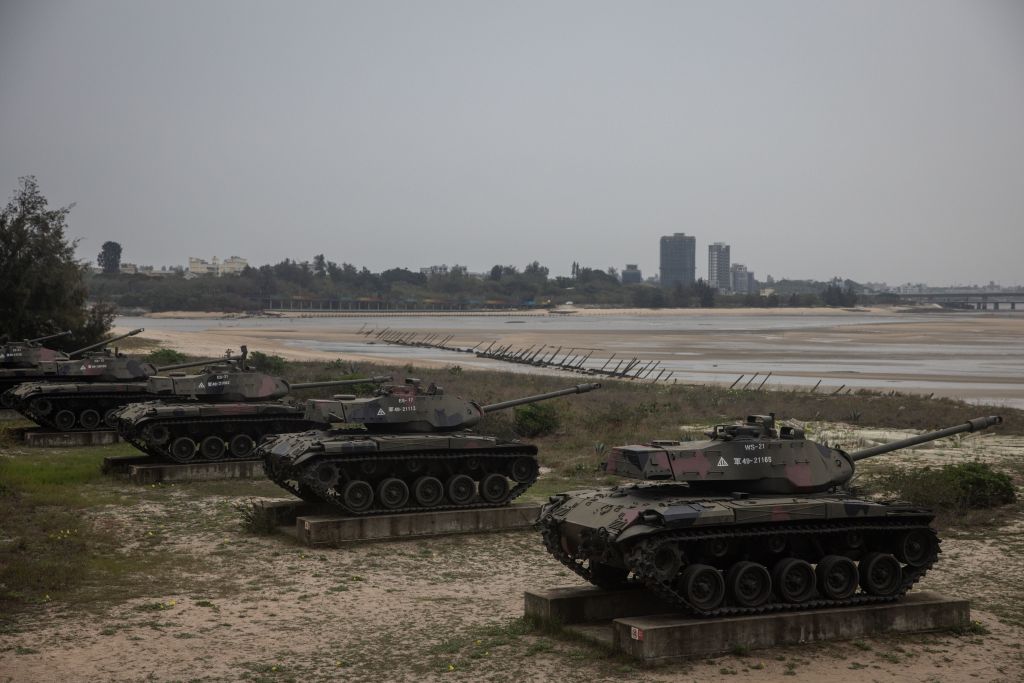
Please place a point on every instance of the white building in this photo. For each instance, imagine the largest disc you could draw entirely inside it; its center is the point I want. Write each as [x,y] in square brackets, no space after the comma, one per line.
[231,266]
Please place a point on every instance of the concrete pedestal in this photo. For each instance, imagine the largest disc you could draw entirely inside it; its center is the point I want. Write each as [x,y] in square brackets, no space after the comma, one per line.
[327,529]
[199,471]
[40,439]
[615,618]
[119,464]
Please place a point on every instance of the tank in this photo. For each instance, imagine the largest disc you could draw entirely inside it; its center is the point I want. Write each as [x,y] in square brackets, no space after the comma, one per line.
[93,363]
[751,520]
[222,412]
[30,352]
[404,450]
[82,406]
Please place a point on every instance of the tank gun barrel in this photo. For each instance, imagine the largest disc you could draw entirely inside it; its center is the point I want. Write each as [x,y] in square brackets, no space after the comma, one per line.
[578,389]
[38,340]
[342,382]
[105,342]
[196,363]
[975,425]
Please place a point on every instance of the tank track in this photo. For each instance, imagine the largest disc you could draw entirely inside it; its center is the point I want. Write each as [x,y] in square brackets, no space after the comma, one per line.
[177,426]
[310,489]
[643,552]
[112,401]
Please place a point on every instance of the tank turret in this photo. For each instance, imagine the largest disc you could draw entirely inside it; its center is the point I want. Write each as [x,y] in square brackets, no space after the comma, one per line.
[30,352]
[755,457]
[408,408]
[750,521]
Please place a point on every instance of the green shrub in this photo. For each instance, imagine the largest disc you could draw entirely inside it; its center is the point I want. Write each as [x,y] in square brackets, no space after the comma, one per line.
[166,357]
[959,487]
[536,419]
[268,363]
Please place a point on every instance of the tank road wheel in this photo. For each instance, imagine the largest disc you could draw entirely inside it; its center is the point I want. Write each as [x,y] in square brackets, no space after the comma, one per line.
[607,576]
[703,586]
[837,577]
[494,488]
[428,491]
[750,584]
[241,446]
[793,580]
[522,470]
[357,495]
[110,418]
[157,434]
[915,547]
[212,448]
[90,419]
[183,449]
[64,420]
[880,574]
[43,406]
[460,488]
[393,493]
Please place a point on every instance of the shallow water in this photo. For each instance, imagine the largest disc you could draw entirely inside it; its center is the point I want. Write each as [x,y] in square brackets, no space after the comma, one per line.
[979,369]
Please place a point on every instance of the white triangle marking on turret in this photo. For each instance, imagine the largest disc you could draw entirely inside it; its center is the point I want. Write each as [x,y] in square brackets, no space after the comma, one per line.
[202,386]
[722,462]
[380,411]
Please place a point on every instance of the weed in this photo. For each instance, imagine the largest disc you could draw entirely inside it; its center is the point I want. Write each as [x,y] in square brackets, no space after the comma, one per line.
[256,518]
[971,628]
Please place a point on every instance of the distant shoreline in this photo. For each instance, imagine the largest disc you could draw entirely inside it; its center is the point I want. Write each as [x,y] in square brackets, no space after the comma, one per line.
[555,312]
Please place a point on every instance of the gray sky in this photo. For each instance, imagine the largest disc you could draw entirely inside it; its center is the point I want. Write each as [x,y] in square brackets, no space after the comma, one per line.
[877,139]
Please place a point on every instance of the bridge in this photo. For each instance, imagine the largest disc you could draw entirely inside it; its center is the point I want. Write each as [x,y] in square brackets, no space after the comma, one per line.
[981,300]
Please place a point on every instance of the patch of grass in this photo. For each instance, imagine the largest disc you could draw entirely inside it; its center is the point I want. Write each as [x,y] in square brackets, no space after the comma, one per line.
[255,518]
[971,628]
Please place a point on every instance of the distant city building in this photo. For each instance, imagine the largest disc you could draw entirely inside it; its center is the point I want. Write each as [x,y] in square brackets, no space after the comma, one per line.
[743,281]
[631,274]
[718,267]
[231,266]
[678,259]
[435,270]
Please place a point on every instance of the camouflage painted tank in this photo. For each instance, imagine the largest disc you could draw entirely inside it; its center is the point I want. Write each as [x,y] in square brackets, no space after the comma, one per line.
[87,406]
[752,520]
[91,363]
[221,412]
[410,455]
[30,352]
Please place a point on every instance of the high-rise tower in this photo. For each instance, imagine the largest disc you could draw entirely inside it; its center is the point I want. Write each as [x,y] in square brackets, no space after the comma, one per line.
[718,266]
[678,259]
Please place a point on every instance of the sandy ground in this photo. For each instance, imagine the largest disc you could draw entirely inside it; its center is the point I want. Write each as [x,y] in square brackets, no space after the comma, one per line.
[242,607]
[974,358]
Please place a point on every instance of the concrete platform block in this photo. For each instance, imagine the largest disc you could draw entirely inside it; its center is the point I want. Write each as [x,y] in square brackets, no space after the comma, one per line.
[120,464]
[283,513]
[199,471]
[583,604]
[329,530]
[41,439]
[666,637]
[615,618]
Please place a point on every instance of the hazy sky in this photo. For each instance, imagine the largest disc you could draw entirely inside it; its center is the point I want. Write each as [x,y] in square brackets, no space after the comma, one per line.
[877,140]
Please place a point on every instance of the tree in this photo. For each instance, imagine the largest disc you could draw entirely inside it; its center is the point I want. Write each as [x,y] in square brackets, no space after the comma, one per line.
[110,257]
[43,285]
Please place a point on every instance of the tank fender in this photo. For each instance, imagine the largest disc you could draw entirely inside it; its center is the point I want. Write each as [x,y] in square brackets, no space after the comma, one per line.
[637,530]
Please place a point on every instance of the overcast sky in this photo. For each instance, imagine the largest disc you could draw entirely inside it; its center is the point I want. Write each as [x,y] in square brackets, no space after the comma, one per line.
[876,140]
